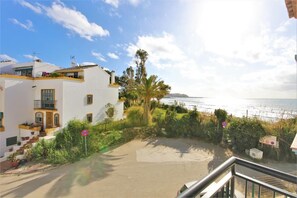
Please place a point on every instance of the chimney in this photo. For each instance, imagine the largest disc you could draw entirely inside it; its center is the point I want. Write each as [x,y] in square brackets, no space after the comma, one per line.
[112,77]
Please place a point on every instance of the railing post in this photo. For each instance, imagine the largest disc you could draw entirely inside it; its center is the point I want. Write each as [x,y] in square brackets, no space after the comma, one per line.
[253,190]
[222,191]
[246,186]
[232,180]
[227,189]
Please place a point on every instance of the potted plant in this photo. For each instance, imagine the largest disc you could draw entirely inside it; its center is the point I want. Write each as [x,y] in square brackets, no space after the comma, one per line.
[13,160]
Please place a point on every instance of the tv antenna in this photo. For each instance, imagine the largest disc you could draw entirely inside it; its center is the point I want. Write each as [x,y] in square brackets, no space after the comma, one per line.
[34,57]
[73,61]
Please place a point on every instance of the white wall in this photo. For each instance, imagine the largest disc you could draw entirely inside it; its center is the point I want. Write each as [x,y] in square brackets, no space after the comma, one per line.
[17,108]
[73,101]
[96,82]
[40,67]
[119,110]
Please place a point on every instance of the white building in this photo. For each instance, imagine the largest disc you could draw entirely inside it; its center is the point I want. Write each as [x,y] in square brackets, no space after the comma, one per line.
[38,96]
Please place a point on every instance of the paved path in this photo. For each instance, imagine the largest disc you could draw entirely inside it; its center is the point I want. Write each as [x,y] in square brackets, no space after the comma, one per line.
[154,168]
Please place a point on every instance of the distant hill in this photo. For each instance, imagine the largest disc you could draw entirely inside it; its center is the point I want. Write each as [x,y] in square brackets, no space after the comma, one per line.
[176,95]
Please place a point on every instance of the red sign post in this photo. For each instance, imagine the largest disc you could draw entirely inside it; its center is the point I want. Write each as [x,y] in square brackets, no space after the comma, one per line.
[85,133]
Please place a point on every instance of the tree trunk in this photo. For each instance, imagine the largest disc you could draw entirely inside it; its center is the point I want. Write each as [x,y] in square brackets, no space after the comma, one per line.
[146,108]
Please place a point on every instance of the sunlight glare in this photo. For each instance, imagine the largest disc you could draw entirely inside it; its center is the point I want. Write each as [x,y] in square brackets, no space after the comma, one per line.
[223,25]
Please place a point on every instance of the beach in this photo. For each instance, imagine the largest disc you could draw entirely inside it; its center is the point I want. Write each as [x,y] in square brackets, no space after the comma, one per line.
[264,109]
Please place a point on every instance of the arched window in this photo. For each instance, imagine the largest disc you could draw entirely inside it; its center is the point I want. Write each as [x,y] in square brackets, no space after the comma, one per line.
[56,119]
[39,118]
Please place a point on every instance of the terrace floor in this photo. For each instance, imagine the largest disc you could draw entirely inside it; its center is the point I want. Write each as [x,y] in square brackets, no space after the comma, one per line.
[152,168]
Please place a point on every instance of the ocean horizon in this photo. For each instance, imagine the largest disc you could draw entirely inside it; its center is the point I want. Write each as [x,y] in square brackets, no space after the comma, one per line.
[269,109]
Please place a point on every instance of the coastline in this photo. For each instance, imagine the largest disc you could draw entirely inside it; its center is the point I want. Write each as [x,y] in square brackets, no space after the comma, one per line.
[263,109]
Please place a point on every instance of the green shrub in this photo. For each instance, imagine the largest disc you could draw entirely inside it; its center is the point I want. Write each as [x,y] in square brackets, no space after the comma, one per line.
[286,130]
[178,107]
[71,135]
[69,145]
[109,139]
[171,124]
[140,132]
[54,75]
[209,129]
[193,122]
[159,117]
[245,133]
[42,149]
[58,157]
[135,116]
[221,115]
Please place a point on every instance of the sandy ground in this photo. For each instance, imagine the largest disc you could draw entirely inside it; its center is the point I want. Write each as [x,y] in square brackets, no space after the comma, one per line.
[153,168]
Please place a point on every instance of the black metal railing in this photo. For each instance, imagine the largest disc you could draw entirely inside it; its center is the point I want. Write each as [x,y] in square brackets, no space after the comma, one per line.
[225,187]
[45,104]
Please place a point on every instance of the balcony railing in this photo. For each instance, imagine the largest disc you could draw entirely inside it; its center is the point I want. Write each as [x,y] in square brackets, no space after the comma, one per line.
[45,104]
[225,187]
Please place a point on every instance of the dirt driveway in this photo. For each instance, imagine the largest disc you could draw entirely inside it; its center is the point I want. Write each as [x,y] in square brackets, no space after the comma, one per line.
[153,168]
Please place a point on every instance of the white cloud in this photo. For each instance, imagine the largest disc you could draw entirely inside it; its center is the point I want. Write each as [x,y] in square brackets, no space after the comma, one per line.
[75,21]
[30,57]
[99,56]
[114,3]
[163,51]
[265,68]
[112,55]
[5,57]
[88,63]
[70,19]
[134,2]
[284,26]
[36,8]
[226,62]
[27,26]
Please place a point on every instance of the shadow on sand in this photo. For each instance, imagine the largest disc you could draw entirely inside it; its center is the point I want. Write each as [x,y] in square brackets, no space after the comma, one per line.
[80,173]
[184,146]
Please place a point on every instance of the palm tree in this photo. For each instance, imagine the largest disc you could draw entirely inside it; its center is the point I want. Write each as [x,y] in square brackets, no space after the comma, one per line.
[163,90]
[148,89]
[141,56]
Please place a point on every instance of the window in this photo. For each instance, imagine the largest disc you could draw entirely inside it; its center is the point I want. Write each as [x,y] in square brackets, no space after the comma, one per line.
[56,119]
[90,117]
[89,99]
[47,98]
[11,141]
[1,119]
[24,71]
[39,118]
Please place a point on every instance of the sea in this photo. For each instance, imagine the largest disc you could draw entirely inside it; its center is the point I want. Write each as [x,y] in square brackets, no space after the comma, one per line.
[264,109]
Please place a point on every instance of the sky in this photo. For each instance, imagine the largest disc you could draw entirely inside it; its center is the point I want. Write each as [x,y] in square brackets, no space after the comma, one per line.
[202,48]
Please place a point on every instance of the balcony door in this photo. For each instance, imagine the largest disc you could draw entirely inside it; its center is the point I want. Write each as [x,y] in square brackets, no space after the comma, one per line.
[49,120]
[48,98]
